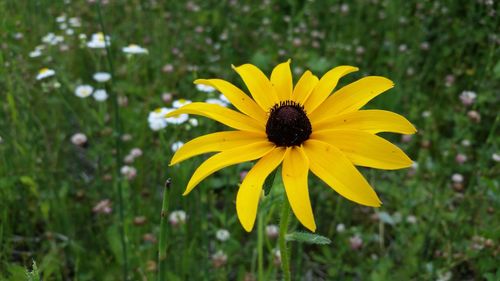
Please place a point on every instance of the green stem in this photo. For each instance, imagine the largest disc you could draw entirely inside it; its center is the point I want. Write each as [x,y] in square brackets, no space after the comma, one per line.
[118,132]
[260,246]
[285,216]
[162,244]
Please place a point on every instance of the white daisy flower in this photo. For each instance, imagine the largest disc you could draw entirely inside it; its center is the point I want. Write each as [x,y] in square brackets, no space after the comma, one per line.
[157,120]
[36,53]
[134,49]
[44,73]
[102,77]
[180,102]
[99,41]
[205,88]
[176,145]
[100,95]
[83,91]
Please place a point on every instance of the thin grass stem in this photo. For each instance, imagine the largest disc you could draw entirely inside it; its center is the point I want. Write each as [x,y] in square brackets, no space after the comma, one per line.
[285,219]
[162,244]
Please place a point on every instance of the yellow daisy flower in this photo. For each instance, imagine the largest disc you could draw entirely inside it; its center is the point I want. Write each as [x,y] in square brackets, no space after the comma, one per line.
[303,128]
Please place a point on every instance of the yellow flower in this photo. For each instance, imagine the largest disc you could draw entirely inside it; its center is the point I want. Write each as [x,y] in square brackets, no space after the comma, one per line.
[303,128]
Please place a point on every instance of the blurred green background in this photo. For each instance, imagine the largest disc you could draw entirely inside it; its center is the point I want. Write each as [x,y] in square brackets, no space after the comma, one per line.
[63,157]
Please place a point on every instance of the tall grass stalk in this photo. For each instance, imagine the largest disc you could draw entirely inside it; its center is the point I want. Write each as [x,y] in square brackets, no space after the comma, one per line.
[284,221]
[162,245]
[118,132]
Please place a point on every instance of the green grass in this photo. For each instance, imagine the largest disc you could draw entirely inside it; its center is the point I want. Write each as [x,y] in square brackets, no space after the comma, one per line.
[49,186]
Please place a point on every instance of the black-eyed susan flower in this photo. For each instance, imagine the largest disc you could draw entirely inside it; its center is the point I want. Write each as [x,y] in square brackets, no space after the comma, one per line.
[302,127]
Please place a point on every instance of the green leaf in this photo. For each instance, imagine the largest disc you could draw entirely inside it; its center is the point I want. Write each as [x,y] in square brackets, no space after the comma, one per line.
[268,183]
[304,237]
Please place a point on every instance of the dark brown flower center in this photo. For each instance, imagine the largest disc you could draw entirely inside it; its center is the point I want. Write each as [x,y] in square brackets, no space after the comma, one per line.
[288,124]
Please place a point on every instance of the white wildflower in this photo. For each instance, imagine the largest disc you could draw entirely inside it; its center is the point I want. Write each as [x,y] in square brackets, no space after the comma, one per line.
[99,41]
[177,217]
[222,235]
[79,139]
[102,77]
[83,91]
[100,95]
[44,73]
[134,49]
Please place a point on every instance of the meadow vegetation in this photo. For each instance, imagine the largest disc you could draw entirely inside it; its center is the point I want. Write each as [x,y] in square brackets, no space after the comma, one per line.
[84,147]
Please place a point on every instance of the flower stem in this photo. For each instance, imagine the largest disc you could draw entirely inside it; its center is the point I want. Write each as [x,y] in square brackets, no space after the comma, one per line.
[162,244]
[260,246]
[285,216]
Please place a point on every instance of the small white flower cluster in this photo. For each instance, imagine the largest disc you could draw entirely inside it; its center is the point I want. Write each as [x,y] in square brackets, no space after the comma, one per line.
[79,139]
[158,121]
[272,231]
[53,39]
[468,97]
[129,172]
[103,207]
[219,259]
[100,95]
[222,235]
[68,24]
[134,153]
[99,41]
[177,217]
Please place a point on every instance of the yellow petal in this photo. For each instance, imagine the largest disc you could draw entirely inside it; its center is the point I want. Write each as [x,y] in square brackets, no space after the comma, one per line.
[326,85]
[249,192]
[294,173]
[227,158]
[304,87]
[281,78]
[221,114]
[352,97]
[365,149]
[372,121]
[259,86]
[237,97]
[215,142]
[331,166]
